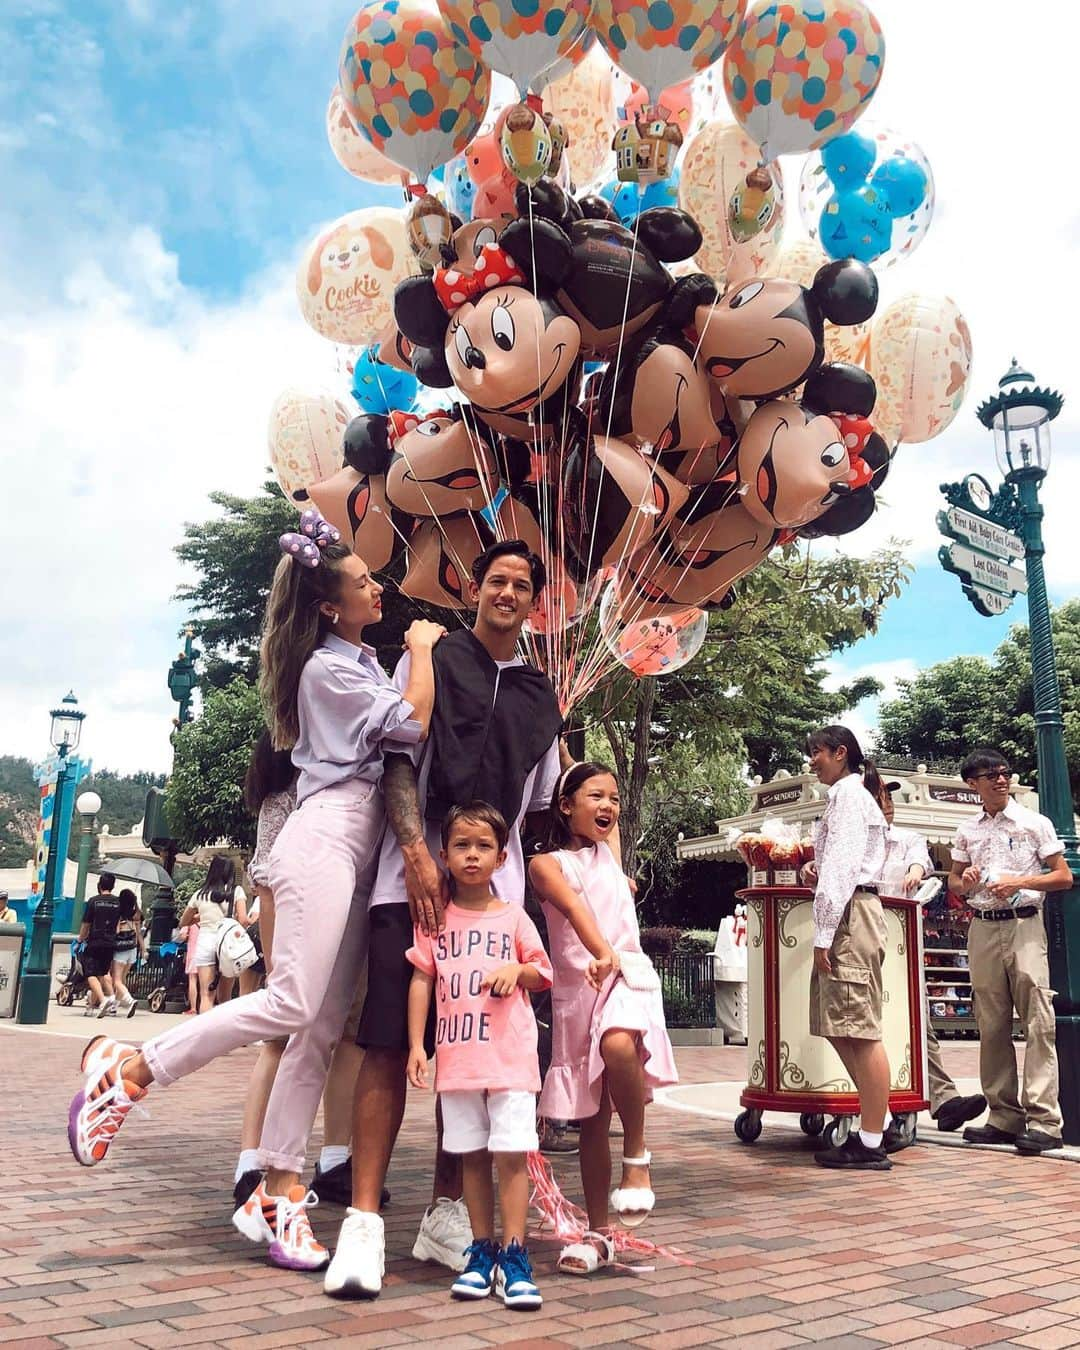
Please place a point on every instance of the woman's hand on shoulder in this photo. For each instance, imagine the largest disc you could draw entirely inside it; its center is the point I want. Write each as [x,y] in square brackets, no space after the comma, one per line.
[422,635]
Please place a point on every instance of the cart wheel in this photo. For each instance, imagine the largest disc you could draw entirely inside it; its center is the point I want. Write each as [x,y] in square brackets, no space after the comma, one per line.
[836,1131]
[748,1126]
[811,1123]
[65,994]
[906,1125]
[156,1001]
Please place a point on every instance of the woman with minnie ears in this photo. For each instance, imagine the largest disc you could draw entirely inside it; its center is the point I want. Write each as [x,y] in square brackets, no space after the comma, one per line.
[327,697]
[610,1046]
[849,941]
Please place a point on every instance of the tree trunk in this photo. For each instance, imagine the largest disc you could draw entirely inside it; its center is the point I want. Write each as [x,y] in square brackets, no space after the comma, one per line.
[633,787]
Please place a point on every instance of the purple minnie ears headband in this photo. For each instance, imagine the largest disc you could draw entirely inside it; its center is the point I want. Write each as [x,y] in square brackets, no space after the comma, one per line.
[315,535]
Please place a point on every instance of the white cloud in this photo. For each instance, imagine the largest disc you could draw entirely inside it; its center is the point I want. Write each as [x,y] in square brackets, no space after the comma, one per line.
[863,719]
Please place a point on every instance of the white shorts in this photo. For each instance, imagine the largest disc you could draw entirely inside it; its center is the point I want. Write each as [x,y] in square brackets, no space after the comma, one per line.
[501,1122]
[125,958]
[206,949]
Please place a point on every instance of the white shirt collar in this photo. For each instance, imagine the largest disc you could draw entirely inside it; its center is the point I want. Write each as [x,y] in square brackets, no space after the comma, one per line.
[333,643]
[1011,811]
[838,786]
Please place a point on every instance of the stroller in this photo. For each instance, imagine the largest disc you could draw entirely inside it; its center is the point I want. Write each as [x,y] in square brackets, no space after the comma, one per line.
[169,968]
[74,985]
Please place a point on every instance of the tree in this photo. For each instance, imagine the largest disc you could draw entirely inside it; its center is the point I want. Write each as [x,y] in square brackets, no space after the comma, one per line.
[205,796]
[954,706]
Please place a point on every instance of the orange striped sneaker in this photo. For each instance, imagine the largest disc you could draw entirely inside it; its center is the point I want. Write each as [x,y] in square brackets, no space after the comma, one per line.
[98,1111]
[283,1223]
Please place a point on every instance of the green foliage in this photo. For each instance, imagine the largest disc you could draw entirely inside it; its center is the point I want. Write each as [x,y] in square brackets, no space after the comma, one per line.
[955,706]
[204,799]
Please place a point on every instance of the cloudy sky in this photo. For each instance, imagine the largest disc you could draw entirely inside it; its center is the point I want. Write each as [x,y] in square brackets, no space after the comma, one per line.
[163,165]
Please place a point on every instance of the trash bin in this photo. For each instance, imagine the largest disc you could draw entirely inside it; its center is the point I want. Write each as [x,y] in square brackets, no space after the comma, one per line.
[60,963]
[792,1071]
[12,946]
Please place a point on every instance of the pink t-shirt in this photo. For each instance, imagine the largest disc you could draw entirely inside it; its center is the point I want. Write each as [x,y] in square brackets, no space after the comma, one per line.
[481,1041]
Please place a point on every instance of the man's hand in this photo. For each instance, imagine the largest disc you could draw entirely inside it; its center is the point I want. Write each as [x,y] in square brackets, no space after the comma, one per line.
[809,872]
[600,967]
[1004,888]
[969,879]
[913,880]
[416,1068]
[822,964]
[502,981]
[424,888]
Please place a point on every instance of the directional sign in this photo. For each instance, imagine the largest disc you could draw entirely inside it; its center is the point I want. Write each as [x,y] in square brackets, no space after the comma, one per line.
[987,602]
[981,533]
[983,570]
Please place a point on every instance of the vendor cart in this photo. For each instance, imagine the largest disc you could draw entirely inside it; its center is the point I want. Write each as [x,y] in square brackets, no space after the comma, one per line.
[792,1071]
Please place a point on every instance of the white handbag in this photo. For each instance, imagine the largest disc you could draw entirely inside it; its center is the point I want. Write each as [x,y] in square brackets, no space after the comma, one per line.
[638,972]
[235,950]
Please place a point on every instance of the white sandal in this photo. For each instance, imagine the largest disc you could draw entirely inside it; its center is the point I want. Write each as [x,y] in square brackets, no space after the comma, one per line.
[634,1204]
[585,1256]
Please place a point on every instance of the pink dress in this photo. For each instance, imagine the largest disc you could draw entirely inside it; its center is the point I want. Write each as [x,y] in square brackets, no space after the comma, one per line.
[580,1015]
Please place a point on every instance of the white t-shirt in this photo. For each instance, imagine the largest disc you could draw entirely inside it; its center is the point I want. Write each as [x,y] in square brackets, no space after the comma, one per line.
[509,881]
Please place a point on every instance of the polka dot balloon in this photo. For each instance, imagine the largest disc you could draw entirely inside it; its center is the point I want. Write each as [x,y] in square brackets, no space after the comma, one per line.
[518,38]
[798,73]
[663,42]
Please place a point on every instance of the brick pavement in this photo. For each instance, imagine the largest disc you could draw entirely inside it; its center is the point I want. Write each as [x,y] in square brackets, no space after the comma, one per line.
[950,1249]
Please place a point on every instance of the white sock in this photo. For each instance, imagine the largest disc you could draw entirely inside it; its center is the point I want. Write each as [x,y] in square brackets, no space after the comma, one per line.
[870,1140]
[888,1119]
[249,1162]
[333,1155]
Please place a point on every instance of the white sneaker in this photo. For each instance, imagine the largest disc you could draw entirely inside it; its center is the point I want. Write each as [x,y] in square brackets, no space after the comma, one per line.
[359,1258]
[92,1009]
[108,1008]
[126,1006]
[445,1234]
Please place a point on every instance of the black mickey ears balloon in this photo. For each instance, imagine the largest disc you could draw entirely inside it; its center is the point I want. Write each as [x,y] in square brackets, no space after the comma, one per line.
[365,444]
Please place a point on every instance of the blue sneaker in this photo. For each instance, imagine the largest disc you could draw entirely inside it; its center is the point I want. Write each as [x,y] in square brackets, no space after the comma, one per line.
[476,1279]
[514,1281]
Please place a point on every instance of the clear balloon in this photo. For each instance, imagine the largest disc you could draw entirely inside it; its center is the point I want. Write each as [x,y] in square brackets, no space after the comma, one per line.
[666,42]
[346,278]
[920,357]
[559,69]
[584,102]
[736,199]
[410,87]
[657,646]
[354,152]
[799,73]
[676,102]
[518,38]
[304,436]
[868,194]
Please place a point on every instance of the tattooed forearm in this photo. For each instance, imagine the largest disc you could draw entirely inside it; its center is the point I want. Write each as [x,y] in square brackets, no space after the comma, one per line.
[402,803]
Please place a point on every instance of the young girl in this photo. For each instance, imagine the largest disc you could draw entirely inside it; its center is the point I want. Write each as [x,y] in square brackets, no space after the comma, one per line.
[129,944]
[481,964]
[610,1046]
[849,940]
[328,698]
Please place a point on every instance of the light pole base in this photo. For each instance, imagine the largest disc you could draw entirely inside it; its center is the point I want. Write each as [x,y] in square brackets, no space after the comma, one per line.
[1068,1056]
[34,998]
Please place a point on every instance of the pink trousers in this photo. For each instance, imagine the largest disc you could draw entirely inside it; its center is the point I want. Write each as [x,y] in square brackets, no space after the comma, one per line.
[321,870]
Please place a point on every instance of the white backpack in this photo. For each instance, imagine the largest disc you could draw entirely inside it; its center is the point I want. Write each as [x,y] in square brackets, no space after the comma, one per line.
[235,950]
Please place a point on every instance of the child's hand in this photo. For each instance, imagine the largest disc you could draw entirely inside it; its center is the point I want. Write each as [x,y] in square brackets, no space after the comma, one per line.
[502,981]
[600,967]
[416,1069]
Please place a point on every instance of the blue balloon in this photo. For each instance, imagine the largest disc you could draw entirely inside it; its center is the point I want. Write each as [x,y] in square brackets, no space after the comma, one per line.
[856,225]
[460,189]
[902,183]
[630,199]
[848,159]
[379,388]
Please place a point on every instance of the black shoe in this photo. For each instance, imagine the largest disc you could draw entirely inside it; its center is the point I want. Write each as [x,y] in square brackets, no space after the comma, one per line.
[988,1134]
[894,1139]
[245,1186]
[1034,1142]
[853,1156]
[957,1110]
[559,1138]
[334,1186]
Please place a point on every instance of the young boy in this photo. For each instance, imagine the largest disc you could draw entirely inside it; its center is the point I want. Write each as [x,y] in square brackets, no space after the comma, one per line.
[481,967]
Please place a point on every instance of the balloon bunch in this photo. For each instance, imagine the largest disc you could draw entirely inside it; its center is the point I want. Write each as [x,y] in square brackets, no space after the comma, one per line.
[638,383]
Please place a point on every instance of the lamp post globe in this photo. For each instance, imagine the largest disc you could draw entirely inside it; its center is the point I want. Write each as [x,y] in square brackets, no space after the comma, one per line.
[65,731]
[1019,415]
[87,804]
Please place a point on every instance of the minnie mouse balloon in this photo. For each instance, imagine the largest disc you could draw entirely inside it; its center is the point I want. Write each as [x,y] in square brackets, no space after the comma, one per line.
[347,275]
[518,38]
[654,646]
[410,87]
[305,436]
[868,194]
[665,43]
[797,74]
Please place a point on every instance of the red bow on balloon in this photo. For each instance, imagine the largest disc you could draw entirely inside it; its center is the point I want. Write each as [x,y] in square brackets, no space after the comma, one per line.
[494,267]
[856,432]
[400,423]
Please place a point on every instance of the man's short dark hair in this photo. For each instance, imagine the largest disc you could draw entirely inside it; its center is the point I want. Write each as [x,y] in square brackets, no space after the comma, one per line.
[477,813]
[106,881]
[984,760]
[512,548]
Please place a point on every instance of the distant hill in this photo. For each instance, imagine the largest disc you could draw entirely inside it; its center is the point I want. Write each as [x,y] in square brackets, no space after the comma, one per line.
[122,799]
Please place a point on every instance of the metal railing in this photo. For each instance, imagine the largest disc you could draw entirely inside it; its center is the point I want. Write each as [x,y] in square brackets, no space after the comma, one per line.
[687,985]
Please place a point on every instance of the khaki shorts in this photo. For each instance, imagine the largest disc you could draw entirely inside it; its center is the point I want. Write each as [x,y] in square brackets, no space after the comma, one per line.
[848,1002]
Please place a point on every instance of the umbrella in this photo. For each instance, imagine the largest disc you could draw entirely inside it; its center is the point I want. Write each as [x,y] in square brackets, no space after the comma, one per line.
[136,869]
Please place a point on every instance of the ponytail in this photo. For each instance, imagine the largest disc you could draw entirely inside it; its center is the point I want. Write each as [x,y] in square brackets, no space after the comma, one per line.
[872,780]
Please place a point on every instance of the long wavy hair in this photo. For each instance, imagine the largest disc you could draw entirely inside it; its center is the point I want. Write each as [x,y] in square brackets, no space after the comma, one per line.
[269,771]
[292,629]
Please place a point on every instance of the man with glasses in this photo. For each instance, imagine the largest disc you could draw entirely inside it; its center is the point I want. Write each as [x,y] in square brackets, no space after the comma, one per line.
[1004,861]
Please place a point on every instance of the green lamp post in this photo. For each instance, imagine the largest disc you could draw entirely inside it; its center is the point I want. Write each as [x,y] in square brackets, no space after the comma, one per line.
[1019,415]
[183,678]
[87,804]
[65,731]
